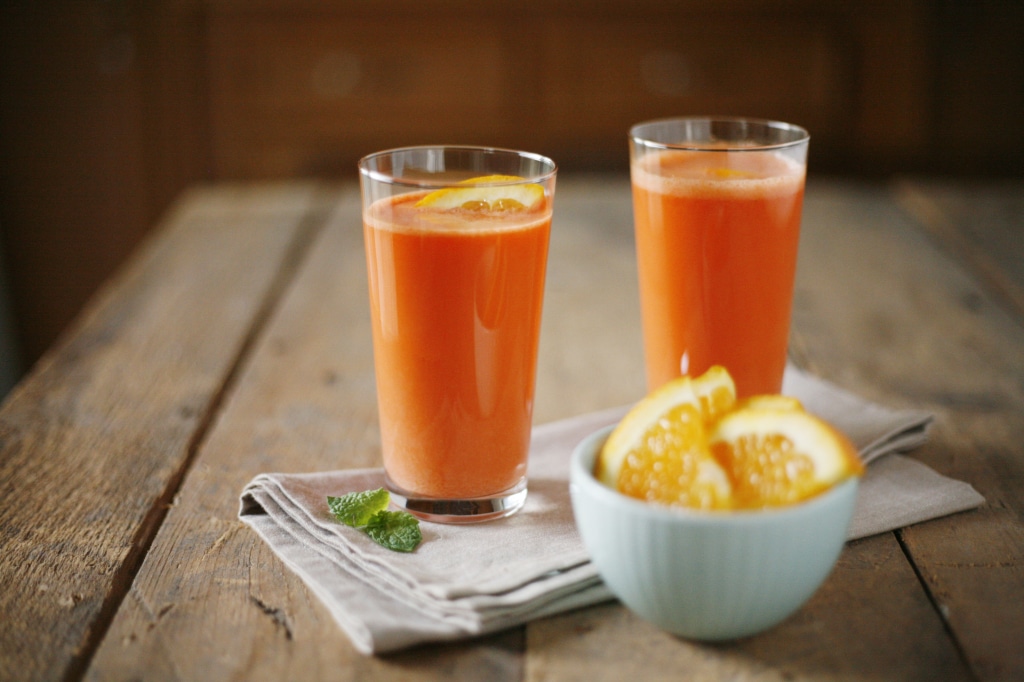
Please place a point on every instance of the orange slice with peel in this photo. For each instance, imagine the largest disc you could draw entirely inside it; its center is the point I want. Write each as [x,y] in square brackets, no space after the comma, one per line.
[716,392]
[659,451]
[778,454]
[492,193]
[691,444]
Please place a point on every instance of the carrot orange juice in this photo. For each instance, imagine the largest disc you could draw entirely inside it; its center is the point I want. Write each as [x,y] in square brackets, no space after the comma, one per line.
[455,295]
[716,236]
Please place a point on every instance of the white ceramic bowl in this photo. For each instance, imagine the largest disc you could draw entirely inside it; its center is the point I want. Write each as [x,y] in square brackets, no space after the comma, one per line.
[707,575]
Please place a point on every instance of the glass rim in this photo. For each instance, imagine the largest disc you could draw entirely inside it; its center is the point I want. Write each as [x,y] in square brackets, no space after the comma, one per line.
[803,137]
[388,178]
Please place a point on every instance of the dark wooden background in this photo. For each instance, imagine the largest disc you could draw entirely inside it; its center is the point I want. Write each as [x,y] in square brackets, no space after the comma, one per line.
[109,108]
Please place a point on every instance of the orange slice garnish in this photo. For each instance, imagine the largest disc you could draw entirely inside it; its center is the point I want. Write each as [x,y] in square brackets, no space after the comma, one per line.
[490,193]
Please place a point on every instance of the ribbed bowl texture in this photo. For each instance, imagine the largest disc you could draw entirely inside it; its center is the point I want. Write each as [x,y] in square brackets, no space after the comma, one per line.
[707,575]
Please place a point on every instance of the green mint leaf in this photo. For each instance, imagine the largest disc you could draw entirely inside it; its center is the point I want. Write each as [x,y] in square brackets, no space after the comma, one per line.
[356,509]
[398,531]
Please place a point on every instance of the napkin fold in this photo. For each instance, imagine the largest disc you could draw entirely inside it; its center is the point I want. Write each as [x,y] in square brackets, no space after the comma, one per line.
[469,580]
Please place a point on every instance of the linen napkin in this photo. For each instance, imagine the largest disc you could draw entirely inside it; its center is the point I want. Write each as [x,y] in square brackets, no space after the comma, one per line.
[896,491]
[464,581]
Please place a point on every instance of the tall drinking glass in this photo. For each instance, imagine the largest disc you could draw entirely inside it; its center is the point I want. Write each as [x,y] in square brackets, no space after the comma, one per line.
[456,245]
[717,204]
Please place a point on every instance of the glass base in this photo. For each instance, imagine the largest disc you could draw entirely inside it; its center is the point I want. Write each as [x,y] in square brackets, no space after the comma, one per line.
[471,510]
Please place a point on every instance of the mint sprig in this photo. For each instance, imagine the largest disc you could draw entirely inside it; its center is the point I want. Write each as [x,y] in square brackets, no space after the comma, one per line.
[356,509]
[398,531]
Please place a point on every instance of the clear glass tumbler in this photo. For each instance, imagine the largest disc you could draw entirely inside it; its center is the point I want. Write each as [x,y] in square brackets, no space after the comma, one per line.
[456,243]
[717,205]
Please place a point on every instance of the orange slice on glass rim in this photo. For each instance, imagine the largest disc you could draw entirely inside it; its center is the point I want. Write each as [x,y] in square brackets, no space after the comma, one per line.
[492,193]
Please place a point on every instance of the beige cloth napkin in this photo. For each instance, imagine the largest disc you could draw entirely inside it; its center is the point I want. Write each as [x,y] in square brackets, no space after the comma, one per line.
[464,581]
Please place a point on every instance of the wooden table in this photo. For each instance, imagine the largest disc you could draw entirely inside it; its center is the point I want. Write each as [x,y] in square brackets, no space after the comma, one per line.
[237,341]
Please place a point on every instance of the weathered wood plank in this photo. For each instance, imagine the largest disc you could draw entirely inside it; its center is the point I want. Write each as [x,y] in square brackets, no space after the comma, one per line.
[230,609]
[211,601]
[890,315]
[972,565]
[591,349]
[981,223]
[846,631]
[133,382]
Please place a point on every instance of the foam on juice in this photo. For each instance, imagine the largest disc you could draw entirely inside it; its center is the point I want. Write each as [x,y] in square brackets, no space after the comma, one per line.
[726,174]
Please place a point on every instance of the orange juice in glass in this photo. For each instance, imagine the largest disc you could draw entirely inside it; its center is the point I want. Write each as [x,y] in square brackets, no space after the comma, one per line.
[717,205]
[456,242]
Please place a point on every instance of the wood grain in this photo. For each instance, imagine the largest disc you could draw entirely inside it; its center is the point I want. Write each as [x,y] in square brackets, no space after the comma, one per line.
[837,635]
[304,403]
[591,354]
[238,342]
[892,316]
[972,563]
[980,224]
[93,445]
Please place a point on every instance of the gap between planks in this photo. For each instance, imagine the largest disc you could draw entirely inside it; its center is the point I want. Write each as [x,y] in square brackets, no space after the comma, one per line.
[936,603]
[309,228]
[942,228]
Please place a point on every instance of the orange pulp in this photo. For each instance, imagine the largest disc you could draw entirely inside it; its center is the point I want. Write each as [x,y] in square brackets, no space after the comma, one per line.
[456,300]
[716,238]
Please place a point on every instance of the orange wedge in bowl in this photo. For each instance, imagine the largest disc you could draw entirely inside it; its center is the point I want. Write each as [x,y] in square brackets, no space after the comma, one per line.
[659,451]
[715,391]
[691,444]
[778,454]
